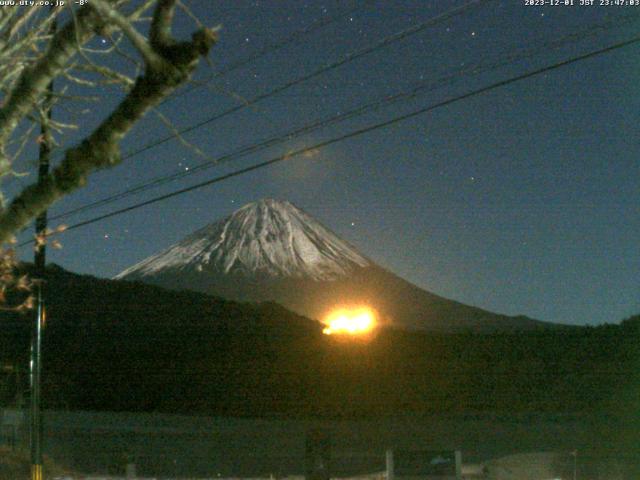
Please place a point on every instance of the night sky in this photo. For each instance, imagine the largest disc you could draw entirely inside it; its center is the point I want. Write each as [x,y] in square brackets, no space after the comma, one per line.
[521,200]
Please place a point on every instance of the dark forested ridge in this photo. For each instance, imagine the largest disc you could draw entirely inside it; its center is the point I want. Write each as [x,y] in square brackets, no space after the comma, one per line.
[120,346]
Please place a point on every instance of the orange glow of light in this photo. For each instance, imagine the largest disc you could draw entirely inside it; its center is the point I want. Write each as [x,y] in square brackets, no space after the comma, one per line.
[356,321]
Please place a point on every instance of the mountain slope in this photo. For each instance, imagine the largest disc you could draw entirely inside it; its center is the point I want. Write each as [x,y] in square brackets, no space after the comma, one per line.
[115,345]
[268,238]
[272,251]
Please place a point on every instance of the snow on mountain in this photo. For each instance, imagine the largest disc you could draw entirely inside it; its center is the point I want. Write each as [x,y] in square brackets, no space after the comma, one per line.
[271,251]
[269,237]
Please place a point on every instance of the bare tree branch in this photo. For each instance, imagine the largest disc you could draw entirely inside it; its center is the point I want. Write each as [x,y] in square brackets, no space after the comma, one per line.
[174,131]
[137,39]
[34,80]
[138,12]
[170,64]
[160,34]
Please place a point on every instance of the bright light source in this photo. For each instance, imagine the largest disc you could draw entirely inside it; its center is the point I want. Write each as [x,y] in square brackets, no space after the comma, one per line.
[355,321]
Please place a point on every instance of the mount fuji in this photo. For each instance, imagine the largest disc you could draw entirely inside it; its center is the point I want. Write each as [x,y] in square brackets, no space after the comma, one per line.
[268,238]
[271,250]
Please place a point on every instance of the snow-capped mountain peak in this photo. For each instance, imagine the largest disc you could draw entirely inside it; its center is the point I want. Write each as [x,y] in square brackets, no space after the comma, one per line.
[268,237]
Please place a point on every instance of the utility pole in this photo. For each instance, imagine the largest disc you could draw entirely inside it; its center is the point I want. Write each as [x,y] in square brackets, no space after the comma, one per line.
[39,275]
[35,371]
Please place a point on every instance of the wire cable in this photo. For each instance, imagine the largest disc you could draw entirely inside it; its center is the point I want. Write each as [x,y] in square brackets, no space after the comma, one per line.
[421,88]
[350,57]
[294,38]
[355,133]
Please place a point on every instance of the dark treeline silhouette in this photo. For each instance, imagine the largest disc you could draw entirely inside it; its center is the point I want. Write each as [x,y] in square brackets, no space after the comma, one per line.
[121,346]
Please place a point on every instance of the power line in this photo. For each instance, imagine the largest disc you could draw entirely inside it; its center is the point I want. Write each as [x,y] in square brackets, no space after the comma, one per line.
[420,88]
[355,133]
[344,60]
[349,57]
[294,38]
[331,66]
